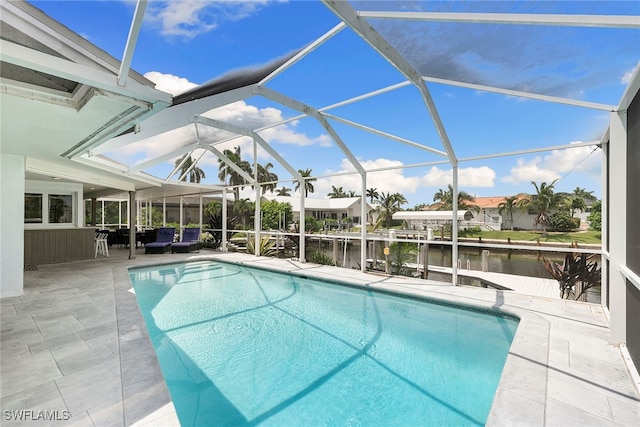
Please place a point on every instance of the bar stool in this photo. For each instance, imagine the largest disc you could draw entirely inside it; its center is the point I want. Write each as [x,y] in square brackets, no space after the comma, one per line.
[102,247]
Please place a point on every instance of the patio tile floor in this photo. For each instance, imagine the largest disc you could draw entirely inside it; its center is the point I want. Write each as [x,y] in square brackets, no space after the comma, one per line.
[75,341]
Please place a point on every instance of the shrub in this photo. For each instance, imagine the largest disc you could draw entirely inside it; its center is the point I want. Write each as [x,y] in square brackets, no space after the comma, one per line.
[399,255]
[266,246]
[595,217]
[273,213]
[562,221]
[576,275]
[312,224]
[319,257]
[470,231]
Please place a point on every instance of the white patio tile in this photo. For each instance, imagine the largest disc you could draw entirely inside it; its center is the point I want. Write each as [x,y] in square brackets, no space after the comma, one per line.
[626,411]
[580,396]
[25,371]
[560,414]
[88,388]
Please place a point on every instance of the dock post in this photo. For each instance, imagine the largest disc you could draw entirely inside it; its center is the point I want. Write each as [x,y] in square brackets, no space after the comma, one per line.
[485,260]
[387,266]
[372,252]
[425,261]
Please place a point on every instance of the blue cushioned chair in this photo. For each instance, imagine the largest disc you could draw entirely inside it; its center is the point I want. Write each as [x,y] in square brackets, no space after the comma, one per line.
[163,242]
[190,241]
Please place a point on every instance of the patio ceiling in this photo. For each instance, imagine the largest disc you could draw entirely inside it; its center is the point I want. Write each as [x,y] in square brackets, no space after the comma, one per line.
[77,93]
[54,79]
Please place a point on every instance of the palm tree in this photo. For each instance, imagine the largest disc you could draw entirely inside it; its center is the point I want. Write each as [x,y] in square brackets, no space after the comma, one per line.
[584,194]
[265,175]
[388,204]
[195,174]
[241,207]
[372,193]
[353,194]
[399,199]
[576,203]
[445,198]
[284,191]
[336,193]
[508,206]
[213,208]
[234,178]
[542,202]
[308,186]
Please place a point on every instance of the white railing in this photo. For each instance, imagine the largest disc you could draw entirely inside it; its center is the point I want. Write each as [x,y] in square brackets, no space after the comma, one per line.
[487,222]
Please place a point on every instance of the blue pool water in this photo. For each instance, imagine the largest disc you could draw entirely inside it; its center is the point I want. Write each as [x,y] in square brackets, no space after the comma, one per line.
[242,346]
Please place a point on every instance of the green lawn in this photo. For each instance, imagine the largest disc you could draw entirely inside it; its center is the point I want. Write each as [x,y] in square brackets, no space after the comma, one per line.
[593,237]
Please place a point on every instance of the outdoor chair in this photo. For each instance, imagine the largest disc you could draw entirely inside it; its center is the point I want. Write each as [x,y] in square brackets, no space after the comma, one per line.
[102,247]
[150,235]
[163,241]
[121,237]
[190,241]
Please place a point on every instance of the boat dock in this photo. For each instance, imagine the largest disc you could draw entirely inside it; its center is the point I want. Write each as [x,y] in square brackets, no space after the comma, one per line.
[535,286]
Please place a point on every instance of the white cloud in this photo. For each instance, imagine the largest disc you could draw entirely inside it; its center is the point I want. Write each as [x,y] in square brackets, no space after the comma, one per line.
[585,159]
[626,77]
[530,171]
[238,113]
[393,181]
[286,134]
[170,83]
[190,18]
[580,159]
[467,177]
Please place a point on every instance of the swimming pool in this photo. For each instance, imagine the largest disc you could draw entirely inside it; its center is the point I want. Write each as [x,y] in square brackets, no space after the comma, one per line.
[243,346]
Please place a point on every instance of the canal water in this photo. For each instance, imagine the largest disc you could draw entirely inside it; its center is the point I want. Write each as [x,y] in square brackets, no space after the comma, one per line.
[521,263]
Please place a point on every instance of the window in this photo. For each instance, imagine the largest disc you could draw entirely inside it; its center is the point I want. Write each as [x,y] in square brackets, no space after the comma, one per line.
[42,209]
[33,208]
[60,208]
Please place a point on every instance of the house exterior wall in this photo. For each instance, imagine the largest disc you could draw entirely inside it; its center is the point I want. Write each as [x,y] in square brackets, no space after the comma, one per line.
[337,214]
[319,212]
[521,218]
[12,170]
[46,246]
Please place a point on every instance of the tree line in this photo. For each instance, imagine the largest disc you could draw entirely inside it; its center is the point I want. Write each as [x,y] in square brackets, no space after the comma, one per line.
[542,202]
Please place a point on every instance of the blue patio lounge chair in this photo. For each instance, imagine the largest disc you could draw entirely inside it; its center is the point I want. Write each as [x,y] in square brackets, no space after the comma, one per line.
[190,241]
[163,242]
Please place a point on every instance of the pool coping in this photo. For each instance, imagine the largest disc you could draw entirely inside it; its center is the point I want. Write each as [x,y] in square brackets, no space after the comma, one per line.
[521,393]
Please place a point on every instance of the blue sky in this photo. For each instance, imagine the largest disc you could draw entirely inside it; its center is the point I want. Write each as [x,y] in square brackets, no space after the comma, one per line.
[186,43]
